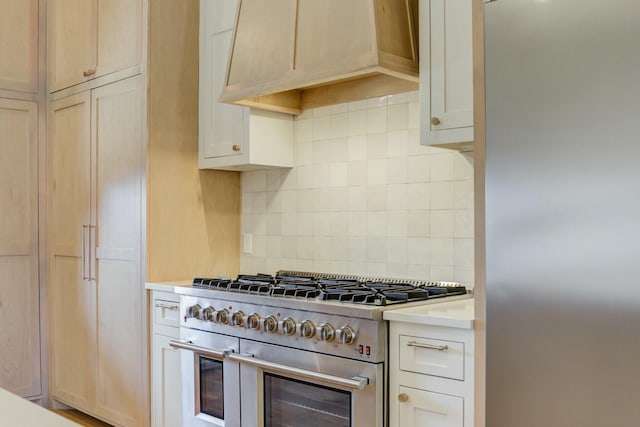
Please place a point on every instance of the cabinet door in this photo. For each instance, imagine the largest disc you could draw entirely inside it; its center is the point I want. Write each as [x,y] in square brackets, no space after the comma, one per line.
[19,296]
[222,126]
[424,408]
[72,34]
[446,72]
[19,43]
[92,38]
[72,295]
[166,384]
[117,176]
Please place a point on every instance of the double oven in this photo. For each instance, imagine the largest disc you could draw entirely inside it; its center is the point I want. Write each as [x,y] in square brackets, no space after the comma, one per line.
[253,359]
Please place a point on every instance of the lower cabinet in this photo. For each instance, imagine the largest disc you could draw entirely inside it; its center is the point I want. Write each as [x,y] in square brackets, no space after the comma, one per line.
[166,383]
[431,376]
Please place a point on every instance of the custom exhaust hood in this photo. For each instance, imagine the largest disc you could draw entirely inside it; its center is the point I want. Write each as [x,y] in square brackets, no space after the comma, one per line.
[289,55]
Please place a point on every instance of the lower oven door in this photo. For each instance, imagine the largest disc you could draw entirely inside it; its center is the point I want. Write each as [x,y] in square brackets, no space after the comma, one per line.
[287,387]
[211,392]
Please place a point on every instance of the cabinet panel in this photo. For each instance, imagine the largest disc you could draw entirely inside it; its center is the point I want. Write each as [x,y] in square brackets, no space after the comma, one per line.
[424,356]
[19,42]
[72,299]
[117,179]
[167,384]
[71,41]
[446,72]
[119,35]
[19,289]
[424,408]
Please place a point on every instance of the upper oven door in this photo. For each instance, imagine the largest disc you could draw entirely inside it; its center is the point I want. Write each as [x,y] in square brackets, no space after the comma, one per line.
[211,391]
[283,386]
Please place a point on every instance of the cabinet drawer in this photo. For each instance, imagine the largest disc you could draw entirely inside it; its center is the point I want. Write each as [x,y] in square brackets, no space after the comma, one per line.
[166,313]
[432,357]
[424,408]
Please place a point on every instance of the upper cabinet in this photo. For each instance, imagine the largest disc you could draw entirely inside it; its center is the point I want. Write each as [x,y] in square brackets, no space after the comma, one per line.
[19,45]
[231,136]
[446,73]
[288,56]
[91,38]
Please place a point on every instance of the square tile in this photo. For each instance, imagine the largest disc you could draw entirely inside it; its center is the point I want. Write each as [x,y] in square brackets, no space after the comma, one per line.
[357,147]
[377,146]
[397,224]
[339,149]
[321,248]
[442,223]
[339,199]
[376,249]
[397,144]
[357,223]
[321,176]
[321,128]
[321,152]
[377,172]
[463,252]
[304,247]
[338,223]
[441,167]
[304,225]
[377,119]
[357,198]
[418,169]
[357,171]
[418,196]
[441,251]
[376,198]
[442,195]
[419,223]
[418,250]
[303,130]
[339,125]
[357,123]
[289,224]
[357,248]
[303,154]
[339,248]
[397,117]
[376,224]
[396,171]
[397,197]
[322,199]
[339,175]
[396,250]
[321,224]
[304,201]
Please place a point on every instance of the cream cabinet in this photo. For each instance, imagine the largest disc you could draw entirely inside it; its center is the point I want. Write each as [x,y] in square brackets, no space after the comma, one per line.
[19,290]
[19,45]
[431,359]
[91,38]
[446,73]
[166,383]
[230,136]
[96,174]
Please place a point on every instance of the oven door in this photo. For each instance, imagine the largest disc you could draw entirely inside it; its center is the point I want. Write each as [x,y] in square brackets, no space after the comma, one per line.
[287,387]
[211,382]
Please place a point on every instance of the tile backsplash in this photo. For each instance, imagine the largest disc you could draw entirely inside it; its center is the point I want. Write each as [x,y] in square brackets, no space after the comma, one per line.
[363,198]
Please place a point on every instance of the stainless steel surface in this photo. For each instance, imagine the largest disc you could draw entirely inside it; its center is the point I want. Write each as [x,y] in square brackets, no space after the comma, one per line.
[367,409]
[427,346]
[283,326]
[213,354]
[373,312]
[356,383]
[562,213]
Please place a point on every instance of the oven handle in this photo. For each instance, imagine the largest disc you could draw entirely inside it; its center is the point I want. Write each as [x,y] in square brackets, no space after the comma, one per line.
[213,354]
[355,383]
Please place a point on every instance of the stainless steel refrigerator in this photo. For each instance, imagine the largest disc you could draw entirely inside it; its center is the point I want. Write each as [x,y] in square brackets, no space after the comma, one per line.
[563,213]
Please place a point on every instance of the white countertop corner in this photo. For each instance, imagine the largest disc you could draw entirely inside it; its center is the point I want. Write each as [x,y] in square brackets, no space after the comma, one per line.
[452,314]
[169,286]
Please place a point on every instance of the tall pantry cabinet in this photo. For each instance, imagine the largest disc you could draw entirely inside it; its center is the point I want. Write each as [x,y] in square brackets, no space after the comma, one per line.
[20,296]
[126,202]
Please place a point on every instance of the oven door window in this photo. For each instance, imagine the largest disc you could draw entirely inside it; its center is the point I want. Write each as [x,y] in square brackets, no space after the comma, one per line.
[290,402]
[211,388]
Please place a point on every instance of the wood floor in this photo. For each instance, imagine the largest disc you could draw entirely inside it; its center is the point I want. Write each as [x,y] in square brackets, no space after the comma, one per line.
[80,418]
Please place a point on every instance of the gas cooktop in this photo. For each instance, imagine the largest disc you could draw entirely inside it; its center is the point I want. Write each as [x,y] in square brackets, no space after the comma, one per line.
[337,288]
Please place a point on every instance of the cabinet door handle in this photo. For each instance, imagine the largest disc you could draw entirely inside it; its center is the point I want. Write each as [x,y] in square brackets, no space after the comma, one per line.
[88,73]
[92,271]
[428,346]
[168,307]
[403,397]
[235,147]
[84,252]
[435,121]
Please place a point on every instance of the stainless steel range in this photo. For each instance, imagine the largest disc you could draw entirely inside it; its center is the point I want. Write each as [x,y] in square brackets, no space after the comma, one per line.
[297,349]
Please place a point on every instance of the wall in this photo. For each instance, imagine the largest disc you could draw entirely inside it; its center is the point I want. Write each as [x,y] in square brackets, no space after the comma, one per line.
[363,198]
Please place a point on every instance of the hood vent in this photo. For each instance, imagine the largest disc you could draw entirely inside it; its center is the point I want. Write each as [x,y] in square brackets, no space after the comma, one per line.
[289,55]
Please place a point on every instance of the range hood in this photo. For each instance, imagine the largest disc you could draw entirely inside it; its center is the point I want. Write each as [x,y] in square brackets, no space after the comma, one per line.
[289,55]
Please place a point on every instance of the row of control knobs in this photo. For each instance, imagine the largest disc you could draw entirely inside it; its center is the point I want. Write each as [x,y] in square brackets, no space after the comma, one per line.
[287,326]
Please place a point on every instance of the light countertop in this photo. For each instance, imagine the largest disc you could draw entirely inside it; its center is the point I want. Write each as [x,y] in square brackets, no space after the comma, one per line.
[453,314]
[18,412]
[167,286]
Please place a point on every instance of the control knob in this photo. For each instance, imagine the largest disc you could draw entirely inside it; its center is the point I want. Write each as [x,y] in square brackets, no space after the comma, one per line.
[270,324]
[307,329]
[194,311]
[222,316]
[346,335]
[252,321]
[326,332]
[288,326]
[209,314]
[237,318]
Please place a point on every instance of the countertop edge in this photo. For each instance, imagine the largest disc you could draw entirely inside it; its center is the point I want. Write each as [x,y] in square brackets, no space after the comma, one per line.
[454,314]
[169,286]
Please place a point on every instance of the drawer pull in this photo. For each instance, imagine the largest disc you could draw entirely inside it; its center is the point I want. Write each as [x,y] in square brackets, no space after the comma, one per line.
[168,307]
[428,346]
[88,73]
[403,397]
